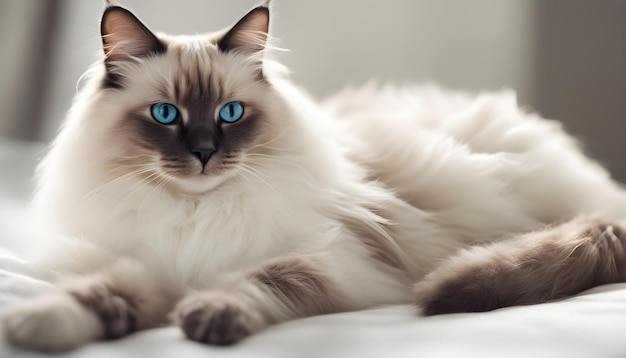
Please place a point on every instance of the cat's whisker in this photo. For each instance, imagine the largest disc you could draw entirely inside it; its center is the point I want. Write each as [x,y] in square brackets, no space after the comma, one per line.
[135,160]
[111,182]
[123,167]
[163,180]
[275,138]
[152,156]
[239,175]
[139,170]
[272,157]
[287,149]
[280,160]
[141,184]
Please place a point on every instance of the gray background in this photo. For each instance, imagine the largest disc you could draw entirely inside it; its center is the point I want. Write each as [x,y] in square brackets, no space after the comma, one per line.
[565,58]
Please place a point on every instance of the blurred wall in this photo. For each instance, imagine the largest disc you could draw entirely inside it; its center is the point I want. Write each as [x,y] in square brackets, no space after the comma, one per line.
[542,49]
[580,73]
[26,43]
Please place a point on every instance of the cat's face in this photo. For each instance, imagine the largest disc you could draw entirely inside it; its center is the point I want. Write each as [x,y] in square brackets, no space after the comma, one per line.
[191,109]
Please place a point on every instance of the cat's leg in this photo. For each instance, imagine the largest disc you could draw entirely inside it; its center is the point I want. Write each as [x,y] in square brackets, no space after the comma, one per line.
[531,268]
[279,290]
[105,305]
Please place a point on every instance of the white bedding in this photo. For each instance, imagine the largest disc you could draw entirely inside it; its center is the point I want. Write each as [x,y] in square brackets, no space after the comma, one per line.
[592,324]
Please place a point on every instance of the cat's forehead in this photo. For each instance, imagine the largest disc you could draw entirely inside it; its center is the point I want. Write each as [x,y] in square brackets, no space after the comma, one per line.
[195,69]
[194,73]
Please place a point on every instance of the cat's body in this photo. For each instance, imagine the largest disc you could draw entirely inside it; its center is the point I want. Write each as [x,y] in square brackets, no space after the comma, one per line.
[296,208]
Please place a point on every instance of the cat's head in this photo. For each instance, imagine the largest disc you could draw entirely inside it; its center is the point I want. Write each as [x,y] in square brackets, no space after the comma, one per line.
[185,111]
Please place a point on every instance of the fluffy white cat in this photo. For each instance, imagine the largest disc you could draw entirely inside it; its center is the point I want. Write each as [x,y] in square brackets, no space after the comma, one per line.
[200,187]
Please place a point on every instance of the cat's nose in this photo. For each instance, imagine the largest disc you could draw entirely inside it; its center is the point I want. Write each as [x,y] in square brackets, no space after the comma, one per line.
[203,154]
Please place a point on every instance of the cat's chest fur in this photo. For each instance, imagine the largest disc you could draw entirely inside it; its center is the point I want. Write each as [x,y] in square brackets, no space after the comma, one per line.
[195,238]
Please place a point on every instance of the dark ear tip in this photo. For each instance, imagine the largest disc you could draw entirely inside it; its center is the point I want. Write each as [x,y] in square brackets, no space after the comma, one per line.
[116,8]
[112,8]
[261,8]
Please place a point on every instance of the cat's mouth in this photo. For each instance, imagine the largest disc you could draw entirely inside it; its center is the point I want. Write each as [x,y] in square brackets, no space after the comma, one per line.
[195,176]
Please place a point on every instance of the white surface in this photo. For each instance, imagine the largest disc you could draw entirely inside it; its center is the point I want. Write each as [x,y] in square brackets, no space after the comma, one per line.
[589,325]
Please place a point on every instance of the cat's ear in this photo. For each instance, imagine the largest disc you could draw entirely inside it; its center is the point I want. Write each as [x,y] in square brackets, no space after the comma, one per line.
[124,36]
[250,34]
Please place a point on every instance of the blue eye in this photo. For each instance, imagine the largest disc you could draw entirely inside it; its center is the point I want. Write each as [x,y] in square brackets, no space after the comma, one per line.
[164,113]
[231,112]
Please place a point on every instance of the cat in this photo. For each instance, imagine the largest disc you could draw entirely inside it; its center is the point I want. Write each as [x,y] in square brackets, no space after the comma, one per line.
[199,187]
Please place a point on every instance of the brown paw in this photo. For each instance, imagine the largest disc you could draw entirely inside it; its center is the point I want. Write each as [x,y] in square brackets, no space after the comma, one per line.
[118,316]
[470,291]
[217,318]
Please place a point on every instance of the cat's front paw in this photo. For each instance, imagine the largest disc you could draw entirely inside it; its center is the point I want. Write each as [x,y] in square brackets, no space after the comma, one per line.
[51,323]
[217,318]
[117,315]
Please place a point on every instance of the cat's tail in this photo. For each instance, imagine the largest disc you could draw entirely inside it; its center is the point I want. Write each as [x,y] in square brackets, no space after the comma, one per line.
[531,268]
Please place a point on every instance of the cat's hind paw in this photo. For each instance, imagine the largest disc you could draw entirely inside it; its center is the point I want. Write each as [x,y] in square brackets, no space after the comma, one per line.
[532,268]
[51,323]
